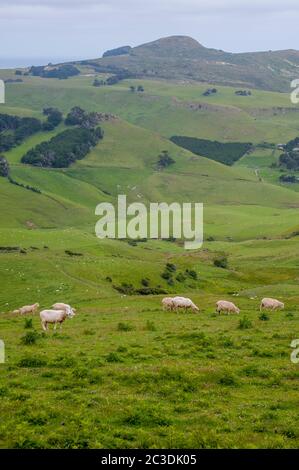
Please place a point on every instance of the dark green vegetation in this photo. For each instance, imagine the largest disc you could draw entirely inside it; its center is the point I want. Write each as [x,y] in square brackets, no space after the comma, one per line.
[122,373]
[61,71]
[227,153]
[64,149]
[4,167]
[14,129]
[290,158]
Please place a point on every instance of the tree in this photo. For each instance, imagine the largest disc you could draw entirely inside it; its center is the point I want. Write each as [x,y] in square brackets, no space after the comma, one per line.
[4,167]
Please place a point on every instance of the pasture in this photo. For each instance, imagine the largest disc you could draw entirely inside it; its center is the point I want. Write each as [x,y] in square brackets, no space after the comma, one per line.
[122,373]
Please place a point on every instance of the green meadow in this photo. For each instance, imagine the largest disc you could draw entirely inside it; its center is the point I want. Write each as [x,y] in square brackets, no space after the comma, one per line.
[122,373]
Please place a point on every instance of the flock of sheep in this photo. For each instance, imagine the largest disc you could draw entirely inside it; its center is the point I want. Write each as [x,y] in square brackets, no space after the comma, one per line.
[177,303]
[58,314]
[61,311]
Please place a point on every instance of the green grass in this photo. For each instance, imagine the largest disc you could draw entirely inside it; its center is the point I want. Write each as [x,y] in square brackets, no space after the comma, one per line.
[123,373]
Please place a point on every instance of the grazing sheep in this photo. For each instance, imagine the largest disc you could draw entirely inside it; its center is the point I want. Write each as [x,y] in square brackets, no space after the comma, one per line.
[225,306]
[167,303]
[27,309]
[272,304]
[185,303]
[66,307]
[53,316]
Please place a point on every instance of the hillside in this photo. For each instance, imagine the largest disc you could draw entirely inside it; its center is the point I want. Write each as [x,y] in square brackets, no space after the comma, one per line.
[123,373]
[183,58]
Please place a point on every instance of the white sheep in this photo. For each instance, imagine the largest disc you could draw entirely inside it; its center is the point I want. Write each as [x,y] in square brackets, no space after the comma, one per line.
[53,316]
[27,309]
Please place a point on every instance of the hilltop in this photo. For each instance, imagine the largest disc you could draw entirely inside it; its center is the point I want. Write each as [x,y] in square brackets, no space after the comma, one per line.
[183,58]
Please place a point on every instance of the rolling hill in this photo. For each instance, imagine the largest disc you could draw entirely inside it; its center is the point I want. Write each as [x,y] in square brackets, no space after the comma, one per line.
[183,58]
[122,373]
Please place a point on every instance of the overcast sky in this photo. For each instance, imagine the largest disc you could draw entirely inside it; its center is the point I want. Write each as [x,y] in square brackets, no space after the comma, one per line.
[67,29]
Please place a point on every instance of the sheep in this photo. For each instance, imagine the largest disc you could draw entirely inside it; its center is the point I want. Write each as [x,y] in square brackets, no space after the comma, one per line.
[27,309]
[167,303]
[183,302]
[272,304]
[53,316]
[66,307]
[225,306]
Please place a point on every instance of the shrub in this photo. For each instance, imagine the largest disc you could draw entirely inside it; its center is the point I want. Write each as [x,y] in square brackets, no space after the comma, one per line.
[264,316]
[221,262]
[166,275]
[32,361]
[28,323]
[150,326]
[191,273]
[124,327]
[171,267]
[180,277]
[113,357]
[30,338]
[244,323]
[228,379]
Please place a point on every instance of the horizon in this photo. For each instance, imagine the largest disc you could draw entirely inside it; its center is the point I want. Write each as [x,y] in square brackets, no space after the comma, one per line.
[18,62]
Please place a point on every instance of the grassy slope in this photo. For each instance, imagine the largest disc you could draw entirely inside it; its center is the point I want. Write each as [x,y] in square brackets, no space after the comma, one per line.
[173,380]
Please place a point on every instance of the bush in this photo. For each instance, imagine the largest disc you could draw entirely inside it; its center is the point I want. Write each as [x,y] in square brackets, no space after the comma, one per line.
[32,362]
[124,327]
[150,326]
[28,323]
[164,160]
[180,277]
[264,316]
[4,167]
[244,323]
[30,338]
[166,275]
[221,262]
[113,357]
[171,267]
[191,273]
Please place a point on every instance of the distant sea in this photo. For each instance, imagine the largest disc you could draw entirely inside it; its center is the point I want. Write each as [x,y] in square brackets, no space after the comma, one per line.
[11,63]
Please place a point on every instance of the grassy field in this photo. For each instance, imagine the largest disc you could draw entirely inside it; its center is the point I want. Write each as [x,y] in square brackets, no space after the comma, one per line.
[122,373]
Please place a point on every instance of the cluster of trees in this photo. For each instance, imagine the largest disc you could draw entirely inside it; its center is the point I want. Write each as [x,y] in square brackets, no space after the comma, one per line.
[78,117]
[60,71]
[164,160]
[54,118]
[288,179]
[14,129]
[290,158]
[210,91]
[243,92]
[140,88]
[226,153]
[4,167]
[64,149]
